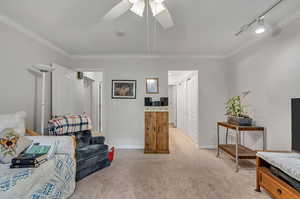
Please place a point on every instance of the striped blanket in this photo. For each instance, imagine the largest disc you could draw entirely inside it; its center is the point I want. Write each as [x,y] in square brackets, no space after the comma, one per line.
[69,124]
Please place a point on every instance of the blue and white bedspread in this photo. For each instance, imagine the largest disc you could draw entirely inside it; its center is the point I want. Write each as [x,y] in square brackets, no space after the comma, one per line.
[55,179]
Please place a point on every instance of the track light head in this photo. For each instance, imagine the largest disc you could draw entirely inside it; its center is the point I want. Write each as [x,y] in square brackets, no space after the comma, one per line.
[260,28]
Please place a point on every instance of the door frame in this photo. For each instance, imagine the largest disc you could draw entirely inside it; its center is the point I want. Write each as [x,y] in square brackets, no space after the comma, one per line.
[182,86]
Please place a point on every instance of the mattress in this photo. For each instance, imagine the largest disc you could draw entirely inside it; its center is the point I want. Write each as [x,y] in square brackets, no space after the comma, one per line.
[289,163]
[289,180]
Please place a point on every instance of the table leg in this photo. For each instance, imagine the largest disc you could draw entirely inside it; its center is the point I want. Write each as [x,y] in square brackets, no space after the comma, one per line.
[264,140]
[218,140]
[237,150]
[226,135]
[258,165]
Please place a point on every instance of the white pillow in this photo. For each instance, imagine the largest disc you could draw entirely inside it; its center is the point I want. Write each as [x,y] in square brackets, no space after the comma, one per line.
[14,121]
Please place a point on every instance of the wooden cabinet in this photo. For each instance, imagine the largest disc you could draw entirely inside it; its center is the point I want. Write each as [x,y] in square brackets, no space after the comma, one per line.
[156,132]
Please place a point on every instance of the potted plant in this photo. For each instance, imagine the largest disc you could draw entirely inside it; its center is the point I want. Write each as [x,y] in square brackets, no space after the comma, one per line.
[236,111]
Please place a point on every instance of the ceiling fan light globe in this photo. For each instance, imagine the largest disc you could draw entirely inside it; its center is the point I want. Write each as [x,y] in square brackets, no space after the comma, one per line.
[133,1]
[159,1]
[157,8]
[138,8]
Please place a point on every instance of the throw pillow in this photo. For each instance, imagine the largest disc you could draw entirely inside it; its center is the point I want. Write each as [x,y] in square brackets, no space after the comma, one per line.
[12,144]
[14,121]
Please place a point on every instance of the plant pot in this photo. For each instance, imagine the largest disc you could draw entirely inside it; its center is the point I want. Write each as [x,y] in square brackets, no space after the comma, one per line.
[240,121]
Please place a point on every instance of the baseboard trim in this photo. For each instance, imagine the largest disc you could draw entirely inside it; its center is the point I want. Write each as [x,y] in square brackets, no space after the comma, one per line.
[208,147]
[130,146]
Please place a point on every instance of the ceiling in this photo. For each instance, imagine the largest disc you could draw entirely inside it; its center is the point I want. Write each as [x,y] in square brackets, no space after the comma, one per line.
[202,27]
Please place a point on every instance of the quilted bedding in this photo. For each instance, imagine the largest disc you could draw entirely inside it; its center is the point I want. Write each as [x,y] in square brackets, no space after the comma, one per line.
[55,179]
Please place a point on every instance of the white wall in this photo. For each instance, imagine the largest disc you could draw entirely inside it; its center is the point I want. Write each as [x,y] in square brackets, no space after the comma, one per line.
[124,119]
[271,70]
[68,92]
[19,87]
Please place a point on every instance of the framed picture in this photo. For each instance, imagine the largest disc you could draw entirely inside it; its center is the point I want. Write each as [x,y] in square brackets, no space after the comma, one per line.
[123,89]
[152,86]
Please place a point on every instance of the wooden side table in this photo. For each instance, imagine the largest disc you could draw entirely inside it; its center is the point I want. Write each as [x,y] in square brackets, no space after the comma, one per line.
[237,150]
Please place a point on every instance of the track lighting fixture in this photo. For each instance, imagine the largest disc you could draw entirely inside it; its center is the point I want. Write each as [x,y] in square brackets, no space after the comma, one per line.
[261,27]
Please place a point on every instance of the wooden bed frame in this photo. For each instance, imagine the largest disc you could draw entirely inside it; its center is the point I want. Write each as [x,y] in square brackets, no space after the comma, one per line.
[274,186]
[31,133]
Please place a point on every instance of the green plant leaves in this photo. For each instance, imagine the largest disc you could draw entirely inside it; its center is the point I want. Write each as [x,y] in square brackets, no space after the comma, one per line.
[234,107]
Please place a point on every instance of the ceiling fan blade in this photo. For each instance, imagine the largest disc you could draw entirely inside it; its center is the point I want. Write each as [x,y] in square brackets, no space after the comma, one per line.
[165,19]
[118,10]
[138,8]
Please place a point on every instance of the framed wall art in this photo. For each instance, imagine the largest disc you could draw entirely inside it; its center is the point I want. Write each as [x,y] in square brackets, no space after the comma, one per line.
[152,86]
[123,89]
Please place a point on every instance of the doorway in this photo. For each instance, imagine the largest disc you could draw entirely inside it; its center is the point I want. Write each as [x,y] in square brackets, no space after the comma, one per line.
[93,97]
[183,102]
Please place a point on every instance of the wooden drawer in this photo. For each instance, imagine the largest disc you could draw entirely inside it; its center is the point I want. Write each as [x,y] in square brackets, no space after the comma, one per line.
[276,187]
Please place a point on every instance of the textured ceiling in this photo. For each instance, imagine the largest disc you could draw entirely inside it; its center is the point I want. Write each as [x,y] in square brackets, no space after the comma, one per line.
[202,27]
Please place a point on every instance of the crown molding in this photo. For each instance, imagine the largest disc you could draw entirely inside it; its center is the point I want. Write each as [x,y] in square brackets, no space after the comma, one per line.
[12,23]
[149,56]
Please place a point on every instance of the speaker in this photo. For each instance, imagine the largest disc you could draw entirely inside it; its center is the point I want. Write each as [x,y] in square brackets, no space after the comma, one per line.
[148,101]
[164,101]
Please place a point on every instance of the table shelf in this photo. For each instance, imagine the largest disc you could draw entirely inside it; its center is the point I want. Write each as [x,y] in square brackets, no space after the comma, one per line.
[243,152]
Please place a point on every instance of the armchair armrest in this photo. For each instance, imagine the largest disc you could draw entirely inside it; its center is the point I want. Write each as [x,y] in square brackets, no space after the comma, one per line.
[98,140]
[31,133]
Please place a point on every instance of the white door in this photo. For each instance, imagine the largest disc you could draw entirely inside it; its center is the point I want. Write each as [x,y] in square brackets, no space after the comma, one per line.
[185,106]
[172,104]
[171,111]
[193,107]
[180,105]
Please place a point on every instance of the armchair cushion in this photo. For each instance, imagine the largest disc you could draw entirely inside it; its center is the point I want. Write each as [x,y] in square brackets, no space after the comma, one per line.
[90,150]
[83,138]
[92,160]
[97,140]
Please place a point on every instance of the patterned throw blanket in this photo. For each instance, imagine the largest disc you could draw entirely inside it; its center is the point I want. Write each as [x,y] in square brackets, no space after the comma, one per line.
[69,124]
[55,179]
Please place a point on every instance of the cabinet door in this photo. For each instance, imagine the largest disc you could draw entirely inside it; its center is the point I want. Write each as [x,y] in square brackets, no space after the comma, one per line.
[150,132]
[162,137]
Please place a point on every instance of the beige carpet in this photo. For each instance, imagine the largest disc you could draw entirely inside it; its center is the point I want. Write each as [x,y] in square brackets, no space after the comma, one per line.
[187,173]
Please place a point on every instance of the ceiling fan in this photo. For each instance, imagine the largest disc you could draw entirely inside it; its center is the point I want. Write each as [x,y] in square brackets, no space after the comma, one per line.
[158,8]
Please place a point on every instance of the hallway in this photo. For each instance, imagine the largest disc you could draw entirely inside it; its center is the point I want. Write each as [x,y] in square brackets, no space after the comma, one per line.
[187,173]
